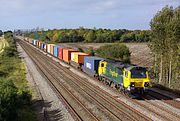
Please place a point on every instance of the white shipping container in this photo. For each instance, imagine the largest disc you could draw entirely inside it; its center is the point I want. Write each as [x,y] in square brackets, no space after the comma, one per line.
[49,48]
[72,56]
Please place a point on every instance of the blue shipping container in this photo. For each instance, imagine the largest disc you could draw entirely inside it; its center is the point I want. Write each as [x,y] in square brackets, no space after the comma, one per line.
[34,42]
[43,45]
[91,64]
[56,50]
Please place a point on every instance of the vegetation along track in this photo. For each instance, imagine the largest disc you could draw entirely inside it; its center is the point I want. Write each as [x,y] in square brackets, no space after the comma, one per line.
[105,104]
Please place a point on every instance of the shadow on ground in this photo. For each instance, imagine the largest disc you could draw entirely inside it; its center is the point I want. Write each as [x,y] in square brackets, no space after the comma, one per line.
[43,114]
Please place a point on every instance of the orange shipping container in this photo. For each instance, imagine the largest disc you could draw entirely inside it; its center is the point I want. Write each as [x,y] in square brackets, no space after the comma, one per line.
[52,49]
[67,54]
[39,45]
[78,57]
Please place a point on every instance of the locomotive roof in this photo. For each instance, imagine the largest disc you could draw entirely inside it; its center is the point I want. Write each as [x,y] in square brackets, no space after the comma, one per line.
[135,67]
[123,65]
[119,64]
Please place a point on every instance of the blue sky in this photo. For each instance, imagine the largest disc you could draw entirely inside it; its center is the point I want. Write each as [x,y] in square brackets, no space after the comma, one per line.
[50,14]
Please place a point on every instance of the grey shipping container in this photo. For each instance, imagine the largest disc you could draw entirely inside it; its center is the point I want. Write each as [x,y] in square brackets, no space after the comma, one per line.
[91,64]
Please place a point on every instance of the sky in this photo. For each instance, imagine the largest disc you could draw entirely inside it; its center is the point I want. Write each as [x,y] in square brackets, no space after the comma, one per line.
[56,14]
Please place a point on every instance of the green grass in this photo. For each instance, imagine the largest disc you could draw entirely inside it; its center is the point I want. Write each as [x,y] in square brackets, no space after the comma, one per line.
[13,68]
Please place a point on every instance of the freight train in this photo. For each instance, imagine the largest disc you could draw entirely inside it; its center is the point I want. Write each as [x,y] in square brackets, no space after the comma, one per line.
[128,78]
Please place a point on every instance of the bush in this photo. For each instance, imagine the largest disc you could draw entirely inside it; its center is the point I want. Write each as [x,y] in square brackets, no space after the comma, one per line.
[80,49]
[12,100]
[90,51]
[116,51]
[8,100]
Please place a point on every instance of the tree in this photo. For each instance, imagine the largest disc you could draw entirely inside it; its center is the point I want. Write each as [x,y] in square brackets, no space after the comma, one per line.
[90,37]
[165,39]
[56,37]
[1,33]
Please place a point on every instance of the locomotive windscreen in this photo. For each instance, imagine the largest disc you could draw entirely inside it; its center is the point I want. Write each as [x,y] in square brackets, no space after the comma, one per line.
[138,72]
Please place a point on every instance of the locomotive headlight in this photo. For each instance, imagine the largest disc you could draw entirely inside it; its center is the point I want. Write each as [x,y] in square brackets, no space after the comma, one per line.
[146,84]
[132,84]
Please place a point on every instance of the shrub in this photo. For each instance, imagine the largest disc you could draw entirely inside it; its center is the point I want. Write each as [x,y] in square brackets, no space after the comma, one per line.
[115,51]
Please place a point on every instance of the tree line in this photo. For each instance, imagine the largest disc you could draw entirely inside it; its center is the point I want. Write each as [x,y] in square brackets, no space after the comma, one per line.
[91,35]
[165,45]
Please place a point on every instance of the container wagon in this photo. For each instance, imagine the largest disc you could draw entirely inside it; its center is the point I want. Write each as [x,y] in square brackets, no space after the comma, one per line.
[58,51]
[91,64]
[77,59]
[67,54]
[52,49]
[43,46]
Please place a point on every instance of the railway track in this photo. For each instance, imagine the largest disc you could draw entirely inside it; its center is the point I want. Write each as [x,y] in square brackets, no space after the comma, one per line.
[159,109]
[78,111]
[165,99]
[106,103]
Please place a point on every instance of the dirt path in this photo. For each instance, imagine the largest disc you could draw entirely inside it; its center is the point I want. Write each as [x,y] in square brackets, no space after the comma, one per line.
[3,44]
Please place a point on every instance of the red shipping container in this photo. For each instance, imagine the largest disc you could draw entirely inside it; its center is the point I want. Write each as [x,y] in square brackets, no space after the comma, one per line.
[60,53]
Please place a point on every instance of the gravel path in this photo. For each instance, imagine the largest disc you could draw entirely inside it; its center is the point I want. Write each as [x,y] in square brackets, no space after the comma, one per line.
[47,103]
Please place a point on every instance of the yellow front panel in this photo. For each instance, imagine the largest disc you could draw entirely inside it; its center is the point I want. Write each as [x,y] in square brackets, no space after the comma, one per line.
[102,70]
[126,78]
[139,82]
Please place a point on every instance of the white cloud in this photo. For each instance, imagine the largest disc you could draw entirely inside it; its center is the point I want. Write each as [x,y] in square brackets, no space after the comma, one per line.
[83,12]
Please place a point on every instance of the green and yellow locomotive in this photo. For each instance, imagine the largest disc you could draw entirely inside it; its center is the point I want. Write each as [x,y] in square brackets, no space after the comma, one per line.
[126,77]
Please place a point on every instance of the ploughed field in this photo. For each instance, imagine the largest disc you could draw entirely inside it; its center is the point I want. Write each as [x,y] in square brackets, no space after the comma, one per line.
[140,52]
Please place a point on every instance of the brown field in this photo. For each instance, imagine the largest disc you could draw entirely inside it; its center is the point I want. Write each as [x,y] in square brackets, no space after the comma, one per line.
[140,52]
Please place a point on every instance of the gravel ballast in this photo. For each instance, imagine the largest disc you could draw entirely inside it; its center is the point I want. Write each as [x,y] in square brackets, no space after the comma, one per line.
[48,105]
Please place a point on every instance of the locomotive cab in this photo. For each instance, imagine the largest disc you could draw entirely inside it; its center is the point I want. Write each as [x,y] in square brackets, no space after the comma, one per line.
[136,79]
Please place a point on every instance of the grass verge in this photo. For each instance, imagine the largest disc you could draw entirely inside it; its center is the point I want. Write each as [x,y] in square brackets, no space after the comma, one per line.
[15,95]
